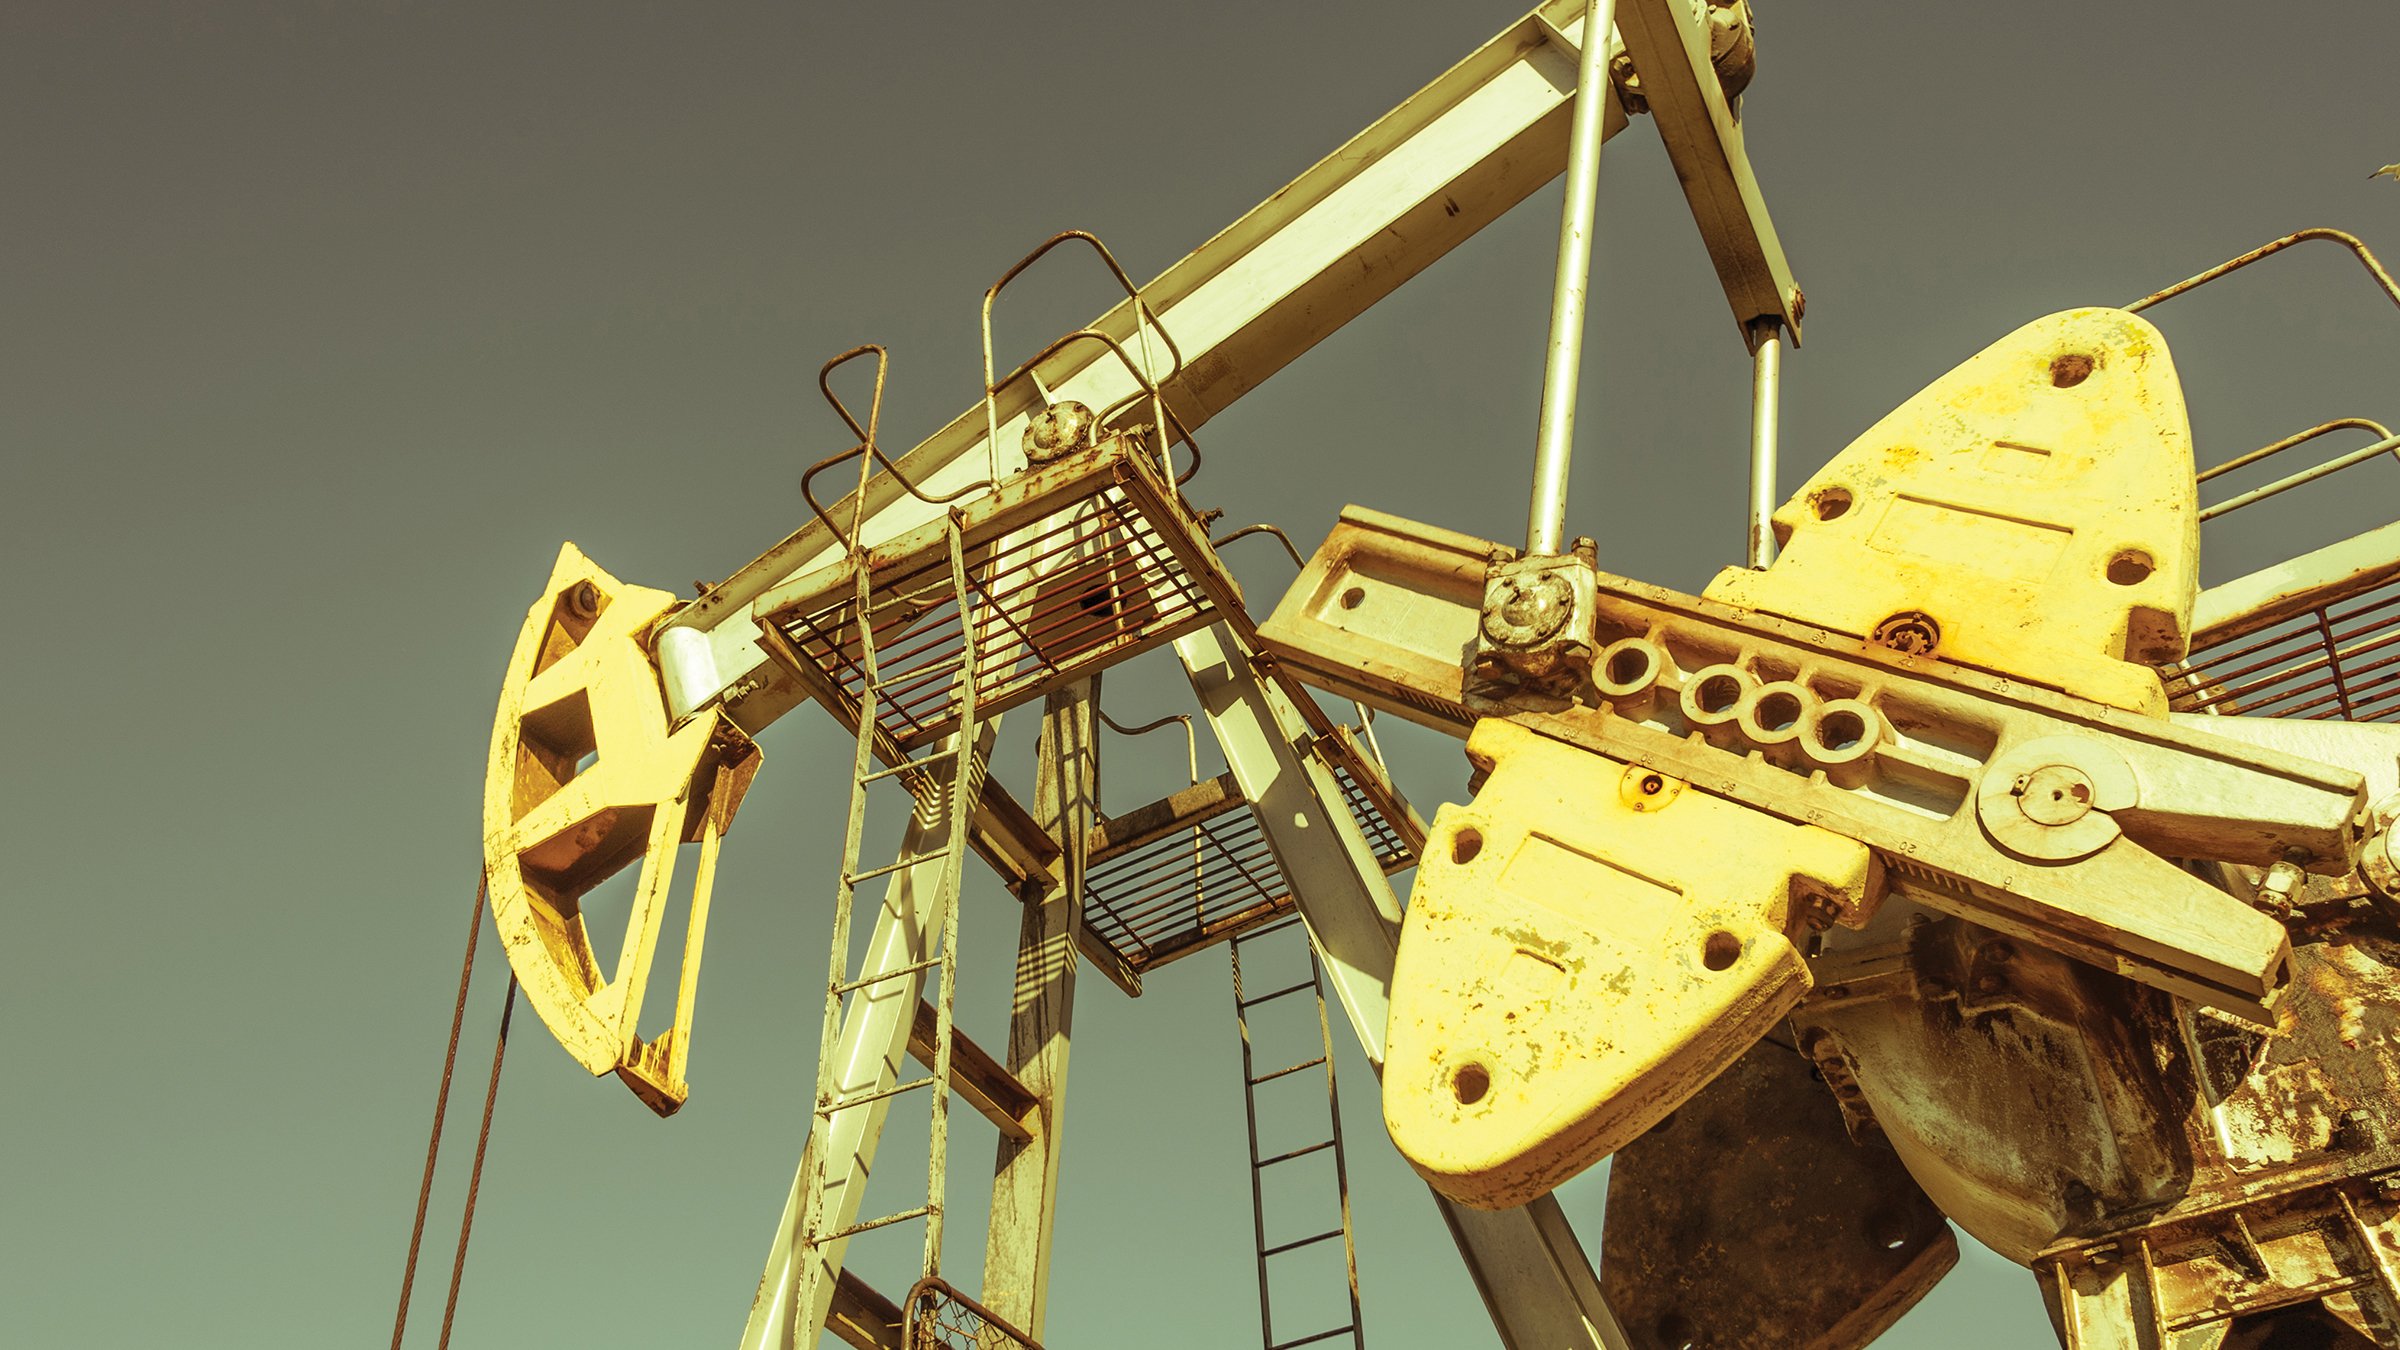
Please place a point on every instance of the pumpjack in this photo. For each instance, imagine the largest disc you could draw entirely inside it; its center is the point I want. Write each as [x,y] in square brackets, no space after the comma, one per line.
[1956,860]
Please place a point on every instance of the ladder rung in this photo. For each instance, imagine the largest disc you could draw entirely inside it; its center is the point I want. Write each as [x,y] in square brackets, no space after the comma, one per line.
[1309,983]
[1302,1242]
[889,868]
[855,1229]
[1294,1068]
[918,763]
[1264,1163]
[845,1103]
[910,969]
[1342,1330]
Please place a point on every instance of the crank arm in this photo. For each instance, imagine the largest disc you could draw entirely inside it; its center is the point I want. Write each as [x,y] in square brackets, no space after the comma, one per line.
[2031,811]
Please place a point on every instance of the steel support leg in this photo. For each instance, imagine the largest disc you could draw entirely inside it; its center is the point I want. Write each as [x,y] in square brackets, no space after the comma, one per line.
[1532,1272]
[1016,1262]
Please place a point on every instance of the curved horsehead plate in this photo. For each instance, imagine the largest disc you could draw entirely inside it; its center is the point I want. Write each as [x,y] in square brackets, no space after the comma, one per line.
[588,775]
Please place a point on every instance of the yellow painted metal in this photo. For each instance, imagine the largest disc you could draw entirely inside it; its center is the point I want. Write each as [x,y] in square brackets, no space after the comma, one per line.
[2031,513]
[588,776]
[1588,944]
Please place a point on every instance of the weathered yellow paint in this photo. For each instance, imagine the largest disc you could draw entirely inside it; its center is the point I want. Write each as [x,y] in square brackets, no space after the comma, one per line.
[581,686]
[1587,944]
[2036,503]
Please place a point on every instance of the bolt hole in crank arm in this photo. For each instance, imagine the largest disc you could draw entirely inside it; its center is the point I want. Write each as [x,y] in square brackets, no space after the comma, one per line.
[588,776]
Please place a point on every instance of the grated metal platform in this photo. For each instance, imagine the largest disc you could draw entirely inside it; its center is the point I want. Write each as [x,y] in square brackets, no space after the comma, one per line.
[1074,566]
[1188,871]
[2338,660]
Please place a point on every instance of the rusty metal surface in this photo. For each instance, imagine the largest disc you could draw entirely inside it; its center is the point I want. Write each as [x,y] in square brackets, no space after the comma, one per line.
[2247,1268]
[2294,1197]
[2023,1089]
[1588,943]
[2175,1177]
[1749,1219]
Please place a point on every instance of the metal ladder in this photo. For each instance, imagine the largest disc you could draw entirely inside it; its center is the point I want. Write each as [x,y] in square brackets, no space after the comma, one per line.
[1252,1080]
[956,798]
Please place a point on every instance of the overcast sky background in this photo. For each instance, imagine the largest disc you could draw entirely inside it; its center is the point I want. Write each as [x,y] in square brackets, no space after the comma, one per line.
[321,324]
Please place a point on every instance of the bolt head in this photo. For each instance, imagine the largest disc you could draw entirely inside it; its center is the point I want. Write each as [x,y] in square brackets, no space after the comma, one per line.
[2379,868]
[1525,609]
[1058,430]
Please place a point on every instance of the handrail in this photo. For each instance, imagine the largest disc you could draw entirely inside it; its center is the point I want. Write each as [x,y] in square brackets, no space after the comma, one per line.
[2321,428]
[866,451]
[1264,528]
[1144,320]
[2366,258]
[1191,754]
[2384,439]
[1173,430]
[848,545]
[1142,308]
[883,363]
[2388,444]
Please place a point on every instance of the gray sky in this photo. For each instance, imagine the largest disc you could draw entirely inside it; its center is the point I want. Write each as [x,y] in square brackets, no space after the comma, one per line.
[325,323]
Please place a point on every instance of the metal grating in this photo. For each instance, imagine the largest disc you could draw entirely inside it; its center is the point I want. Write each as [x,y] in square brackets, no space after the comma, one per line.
[1074,567]
[1168,894]
[2338,661]
[941,1318]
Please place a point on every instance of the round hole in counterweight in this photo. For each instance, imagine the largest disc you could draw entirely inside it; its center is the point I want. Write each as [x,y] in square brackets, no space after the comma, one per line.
[1629,667]
[1778,711]
[1718,693]
[1354,597]
[1721,950]
[1831,503]
[2070,370]
[2131,567]
[1465,844]
[1652,785]
[1470,1083]
[1841,729]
